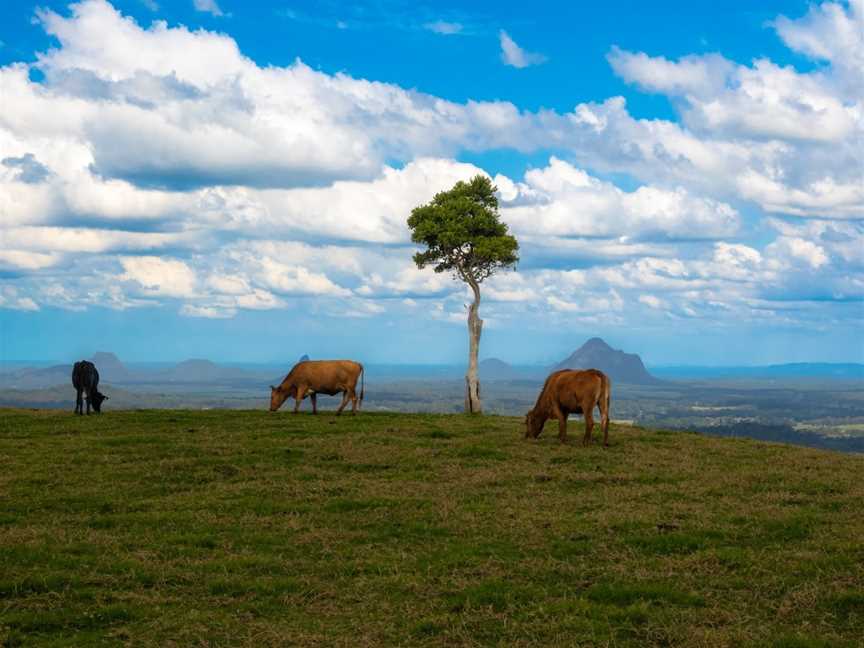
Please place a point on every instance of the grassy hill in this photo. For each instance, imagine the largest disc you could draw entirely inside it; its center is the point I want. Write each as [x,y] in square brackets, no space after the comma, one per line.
[227,528]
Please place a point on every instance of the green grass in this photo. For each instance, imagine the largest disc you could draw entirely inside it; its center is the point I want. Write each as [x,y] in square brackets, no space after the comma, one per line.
[233,528]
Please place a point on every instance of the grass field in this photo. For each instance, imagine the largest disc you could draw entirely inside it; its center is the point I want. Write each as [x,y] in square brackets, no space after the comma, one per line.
[232,528]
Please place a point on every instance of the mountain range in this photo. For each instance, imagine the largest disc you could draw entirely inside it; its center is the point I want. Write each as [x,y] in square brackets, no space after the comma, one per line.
[620,366]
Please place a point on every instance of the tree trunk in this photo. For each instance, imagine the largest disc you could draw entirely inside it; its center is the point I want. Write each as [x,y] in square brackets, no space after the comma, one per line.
[472,381]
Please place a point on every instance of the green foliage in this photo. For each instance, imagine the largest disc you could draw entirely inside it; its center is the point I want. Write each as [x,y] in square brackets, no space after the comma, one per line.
[463,232]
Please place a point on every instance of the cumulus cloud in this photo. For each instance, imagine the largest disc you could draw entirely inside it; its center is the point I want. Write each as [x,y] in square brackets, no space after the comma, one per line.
[830,32]
[564,201]
[515,56]
[158,165]
[159,277]
[197,113]
[763,101]
[795,135]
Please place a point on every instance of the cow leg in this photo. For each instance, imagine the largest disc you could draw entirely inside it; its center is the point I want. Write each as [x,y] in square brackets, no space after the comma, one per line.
[301,392]
[344,403]
[589,425]
[353,402]
[562,427]
[87,398]
[79,403]
[604,422]
[314,399]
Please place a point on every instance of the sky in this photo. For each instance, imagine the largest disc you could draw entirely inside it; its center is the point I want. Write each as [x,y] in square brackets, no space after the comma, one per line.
[232,180]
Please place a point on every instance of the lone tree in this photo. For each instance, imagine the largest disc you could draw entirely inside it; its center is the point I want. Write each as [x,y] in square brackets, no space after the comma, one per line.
[463,234]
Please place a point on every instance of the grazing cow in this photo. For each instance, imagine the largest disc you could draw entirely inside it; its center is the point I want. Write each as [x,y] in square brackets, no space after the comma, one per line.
[571,392]
[85,379]
[313,377]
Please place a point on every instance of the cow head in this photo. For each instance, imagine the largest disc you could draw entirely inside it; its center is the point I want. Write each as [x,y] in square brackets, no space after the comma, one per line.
[96,401]
[533,425]
[277,397]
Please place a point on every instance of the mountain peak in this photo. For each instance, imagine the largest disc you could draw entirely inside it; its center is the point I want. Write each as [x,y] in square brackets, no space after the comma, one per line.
[595,344]
[619,366]
[105,357]
[109,365]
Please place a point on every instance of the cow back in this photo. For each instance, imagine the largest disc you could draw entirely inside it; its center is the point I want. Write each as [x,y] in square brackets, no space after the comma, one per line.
[324,375]
[85,376]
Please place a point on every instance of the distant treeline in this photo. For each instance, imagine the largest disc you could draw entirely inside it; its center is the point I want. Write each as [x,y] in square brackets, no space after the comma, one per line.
[849,370]
[782,433]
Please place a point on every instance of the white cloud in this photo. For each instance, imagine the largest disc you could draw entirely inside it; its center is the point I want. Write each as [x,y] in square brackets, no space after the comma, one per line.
[589,304]
[229,284]
[9,298]
[22,260]
[159,277]
[785,139]
[691,74]
[79,239]
[171,144]
[209,312]
[763,101]
[829,32]
[514,55]
[296,280]
[444,27]
[208,6]
[842,241]
[147,105]
[563,201]
[367,211]
[797,250]
[652,301]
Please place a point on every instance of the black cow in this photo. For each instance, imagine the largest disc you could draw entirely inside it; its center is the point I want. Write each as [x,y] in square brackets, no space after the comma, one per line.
[85,379]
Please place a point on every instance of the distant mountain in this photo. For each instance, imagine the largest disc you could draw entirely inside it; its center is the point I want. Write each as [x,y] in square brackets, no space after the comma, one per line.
[109,367]
[33,378]
[495,369]
[201,371]
[619,366]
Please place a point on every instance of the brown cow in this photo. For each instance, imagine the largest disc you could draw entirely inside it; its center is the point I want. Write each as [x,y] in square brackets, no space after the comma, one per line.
[313,377]
[571,392]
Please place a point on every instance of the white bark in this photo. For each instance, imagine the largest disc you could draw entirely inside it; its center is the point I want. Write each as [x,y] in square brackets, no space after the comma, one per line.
[475,328]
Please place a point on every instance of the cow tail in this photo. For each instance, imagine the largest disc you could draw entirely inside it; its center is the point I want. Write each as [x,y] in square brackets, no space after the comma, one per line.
[605,398]
[607,395]
[362,383]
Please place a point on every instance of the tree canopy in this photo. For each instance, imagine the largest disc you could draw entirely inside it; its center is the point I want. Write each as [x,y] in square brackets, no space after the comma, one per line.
[463,233]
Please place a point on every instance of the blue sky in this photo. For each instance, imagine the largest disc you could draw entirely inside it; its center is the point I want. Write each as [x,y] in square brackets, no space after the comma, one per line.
[231,180]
